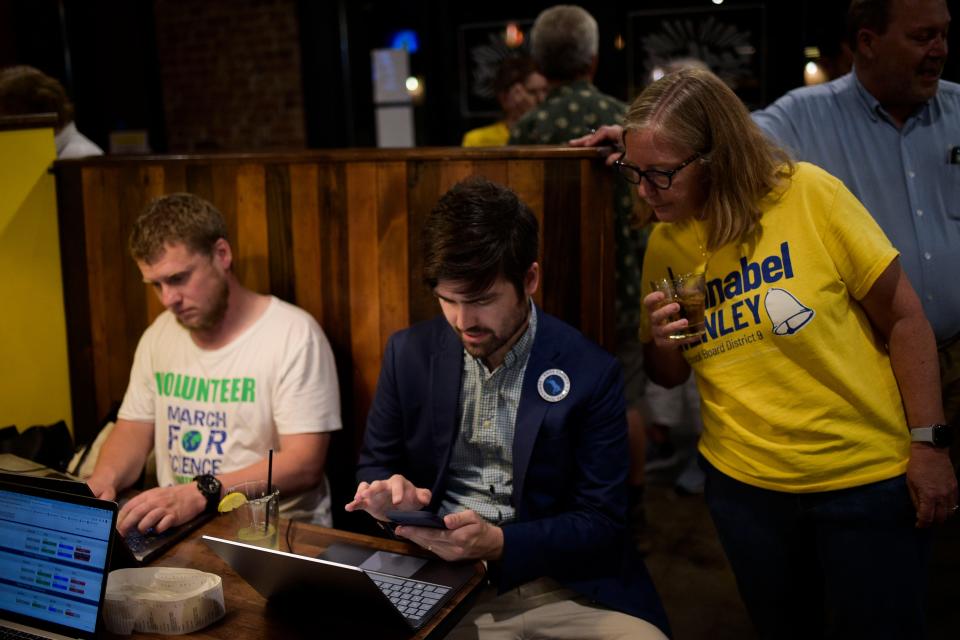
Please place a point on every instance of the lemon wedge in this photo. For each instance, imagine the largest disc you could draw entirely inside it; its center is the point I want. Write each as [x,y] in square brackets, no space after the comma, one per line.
[231,501]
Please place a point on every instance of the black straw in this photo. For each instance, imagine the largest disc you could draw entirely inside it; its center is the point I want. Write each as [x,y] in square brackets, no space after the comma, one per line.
[266,519]
[270,472]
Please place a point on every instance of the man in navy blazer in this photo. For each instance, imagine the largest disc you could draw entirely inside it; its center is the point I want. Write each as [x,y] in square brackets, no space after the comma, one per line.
[511,424]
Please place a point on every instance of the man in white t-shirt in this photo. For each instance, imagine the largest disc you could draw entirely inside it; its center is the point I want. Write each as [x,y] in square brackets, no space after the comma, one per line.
[221,377]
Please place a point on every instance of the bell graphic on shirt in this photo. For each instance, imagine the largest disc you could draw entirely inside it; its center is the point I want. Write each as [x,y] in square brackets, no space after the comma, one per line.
[787,313]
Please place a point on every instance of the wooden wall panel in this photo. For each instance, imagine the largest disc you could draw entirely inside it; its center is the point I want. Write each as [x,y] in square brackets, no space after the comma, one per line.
[364,291]
[495,171]
[595,216]
[423,191]
[95,207]
[306,243]
[334,276]
[175,177]
[453,172]
[392,250]
[157,182]
[252,239]
[224,195]
[279,242]
[76,295]
[561,241]
[525,177]
[338,233]
[200,181]
[124,282]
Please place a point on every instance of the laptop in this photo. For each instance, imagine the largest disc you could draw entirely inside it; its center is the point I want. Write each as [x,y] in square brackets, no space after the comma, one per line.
[393,589]
[54,552]
[136,549]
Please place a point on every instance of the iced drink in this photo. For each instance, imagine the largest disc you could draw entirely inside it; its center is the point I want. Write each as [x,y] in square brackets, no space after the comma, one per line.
[689,291]
[257,520]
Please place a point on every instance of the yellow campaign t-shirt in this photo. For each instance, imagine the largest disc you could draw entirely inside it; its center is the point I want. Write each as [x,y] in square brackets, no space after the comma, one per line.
[797,390]
[494,135]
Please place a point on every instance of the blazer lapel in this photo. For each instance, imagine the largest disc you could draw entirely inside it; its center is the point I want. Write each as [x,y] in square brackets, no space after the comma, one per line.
[533,408]
[446,370]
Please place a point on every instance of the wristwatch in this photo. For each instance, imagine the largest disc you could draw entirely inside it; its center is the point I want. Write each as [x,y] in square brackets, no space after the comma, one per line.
[939,435]
[209,486]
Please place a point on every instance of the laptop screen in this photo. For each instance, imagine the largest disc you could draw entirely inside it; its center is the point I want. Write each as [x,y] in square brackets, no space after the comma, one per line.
[53,558]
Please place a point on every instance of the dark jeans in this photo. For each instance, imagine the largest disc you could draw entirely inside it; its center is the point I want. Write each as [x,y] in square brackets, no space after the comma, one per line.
[835,564]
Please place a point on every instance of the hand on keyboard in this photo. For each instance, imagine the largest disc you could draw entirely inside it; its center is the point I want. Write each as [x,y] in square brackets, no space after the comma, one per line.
[161,508]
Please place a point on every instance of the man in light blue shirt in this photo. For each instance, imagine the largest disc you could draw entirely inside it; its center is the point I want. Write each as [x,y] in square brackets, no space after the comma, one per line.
[890,130]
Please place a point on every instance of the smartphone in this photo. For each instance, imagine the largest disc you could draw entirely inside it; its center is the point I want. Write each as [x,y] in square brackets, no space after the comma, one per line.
[416,519]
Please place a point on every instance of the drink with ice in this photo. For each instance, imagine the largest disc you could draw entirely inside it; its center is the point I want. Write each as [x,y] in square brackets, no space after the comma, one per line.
[257,520]
[689,291]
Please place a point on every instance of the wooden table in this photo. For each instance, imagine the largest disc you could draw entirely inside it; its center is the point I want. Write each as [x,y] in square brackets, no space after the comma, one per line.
[250,616]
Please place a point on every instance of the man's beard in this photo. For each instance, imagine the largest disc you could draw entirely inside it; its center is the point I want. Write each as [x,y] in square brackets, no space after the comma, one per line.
[212,318]
[488,346]
[494,341]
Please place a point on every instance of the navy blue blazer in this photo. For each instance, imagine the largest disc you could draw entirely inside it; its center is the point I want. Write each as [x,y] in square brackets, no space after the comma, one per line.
[570,458]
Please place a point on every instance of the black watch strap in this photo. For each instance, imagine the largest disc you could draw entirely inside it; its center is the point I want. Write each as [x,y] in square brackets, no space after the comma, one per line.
[209,486]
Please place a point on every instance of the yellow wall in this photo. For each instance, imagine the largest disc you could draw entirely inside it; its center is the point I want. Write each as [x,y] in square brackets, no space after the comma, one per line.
[34,381]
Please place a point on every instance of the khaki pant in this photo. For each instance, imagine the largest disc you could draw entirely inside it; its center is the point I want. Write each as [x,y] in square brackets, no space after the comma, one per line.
[542,609]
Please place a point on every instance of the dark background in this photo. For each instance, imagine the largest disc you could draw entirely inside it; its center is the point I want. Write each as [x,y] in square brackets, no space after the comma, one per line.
[123,62]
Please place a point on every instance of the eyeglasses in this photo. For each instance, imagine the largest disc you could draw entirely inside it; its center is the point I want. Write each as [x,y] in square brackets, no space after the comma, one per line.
[657,178]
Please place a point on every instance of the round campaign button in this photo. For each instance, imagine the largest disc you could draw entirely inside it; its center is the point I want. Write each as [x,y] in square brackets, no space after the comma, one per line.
[553,385]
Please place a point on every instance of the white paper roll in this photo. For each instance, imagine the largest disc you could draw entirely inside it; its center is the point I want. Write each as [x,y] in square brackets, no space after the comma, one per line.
[162,600]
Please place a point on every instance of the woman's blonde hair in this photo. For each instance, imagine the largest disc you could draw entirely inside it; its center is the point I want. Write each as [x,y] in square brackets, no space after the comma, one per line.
[693,109]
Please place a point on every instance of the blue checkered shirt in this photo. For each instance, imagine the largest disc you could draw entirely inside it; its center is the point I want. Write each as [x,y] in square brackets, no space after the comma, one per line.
[481,467]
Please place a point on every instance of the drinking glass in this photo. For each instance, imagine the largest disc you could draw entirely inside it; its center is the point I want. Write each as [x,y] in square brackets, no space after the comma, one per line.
[257,520]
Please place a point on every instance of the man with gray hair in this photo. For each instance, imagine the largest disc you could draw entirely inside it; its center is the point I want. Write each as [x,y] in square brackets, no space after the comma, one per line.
[564,44]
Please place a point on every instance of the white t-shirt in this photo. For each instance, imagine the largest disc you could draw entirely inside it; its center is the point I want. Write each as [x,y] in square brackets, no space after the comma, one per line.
[73,144]
[222,410]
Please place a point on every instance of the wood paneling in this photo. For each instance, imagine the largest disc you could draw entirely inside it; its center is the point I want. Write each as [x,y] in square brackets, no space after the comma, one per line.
[392,243]
[336,233]
[252,238]
[308,275]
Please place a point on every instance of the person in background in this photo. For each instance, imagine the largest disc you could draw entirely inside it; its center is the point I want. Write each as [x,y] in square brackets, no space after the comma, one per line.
[219,378]
[890,130]
[564,45]
[564,42]
[815,364]
[25,90]
[523,449]
[518,88]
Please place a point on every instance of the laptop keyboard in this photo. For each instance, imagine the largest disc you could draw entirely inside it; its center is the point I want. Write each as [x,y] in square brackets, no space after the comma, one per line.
[15,634]
[412,598]
[142,543]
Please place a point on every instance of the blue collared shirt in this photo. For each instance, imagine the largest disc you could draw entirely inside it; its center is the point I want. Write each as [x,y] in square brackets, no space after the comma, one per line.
[904,176]
[481,465]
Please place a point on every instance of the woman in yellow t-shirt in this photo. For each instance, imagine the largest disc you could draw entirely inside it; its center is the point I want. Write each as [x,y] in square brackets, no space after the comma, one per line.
[814,364]
[518,88]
